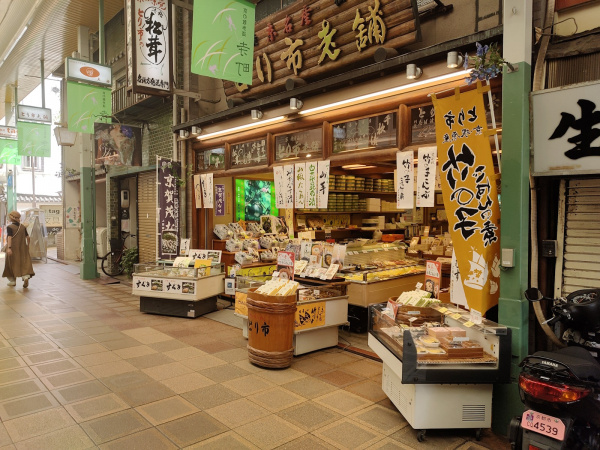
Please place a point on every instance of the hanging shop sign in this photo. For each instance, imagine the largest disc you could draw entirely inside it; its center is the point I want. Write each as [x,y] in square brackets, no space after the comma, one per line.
[470,195]
[219,199]
[86,105]
[223,40]
[302,144]
[312,186]
[323,183]
[118,145]
[248,154]
[206,182]
[210,160]
[168,172]
[300,189]
[88,72]
[368,133]
[34,139]
[566,130]
[405,162]
[426,177]
[148,44]
[9,152]
[312,39]
[8,132]
[34,114]
[198,191]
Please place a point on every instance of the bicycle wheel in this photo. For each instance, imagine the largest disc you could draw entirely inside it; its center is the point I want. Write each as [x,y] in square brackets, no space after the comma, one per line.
[114,269]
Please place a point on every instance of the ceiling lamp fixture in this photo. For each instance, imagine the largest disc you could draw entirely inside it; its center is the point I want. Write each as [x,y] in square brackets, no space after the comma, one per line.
[256,114]
[413,72]
[454,60]
[296,104]
[64,136]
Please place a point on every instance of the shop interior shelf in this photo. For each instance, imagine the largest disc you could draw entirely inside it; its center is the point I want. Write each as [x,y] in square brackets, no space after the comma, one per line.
[346,212]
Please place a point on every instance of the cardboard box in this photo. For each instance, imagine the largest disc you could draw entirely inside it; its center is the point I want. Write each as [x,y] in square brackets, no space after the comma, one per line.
[373,204]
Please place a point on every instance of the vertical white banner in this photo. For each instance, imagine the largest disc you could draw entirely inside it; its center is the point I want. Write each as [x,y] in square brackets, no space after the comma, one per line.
[300,180]
[311,185]
[198,191]
[405,174]
[288,179]
[457,290]
[426,177]
[278,181]
[323,180]
[206,180]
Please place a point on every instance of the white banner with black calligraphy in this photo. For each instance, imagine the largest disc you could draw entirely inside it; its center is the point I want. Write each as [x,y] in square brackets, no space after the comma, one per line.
[426,177]
[279,188]
[206,180]
[300,184]
[288,180]
[198,191]
[405,162]
[311,185]
[323,180]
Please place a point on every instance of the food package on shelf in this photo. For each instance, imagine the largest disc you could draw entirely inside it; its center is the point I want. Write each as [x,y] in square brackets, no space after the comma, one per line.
[459,348]
[432,354]
[268,255]
[254,227]
[233,245]
[282,241]
[243,258]
[417,297]
[446,332]
[223,232]
[278,286]
[250,243]
[236,228]
[267,242]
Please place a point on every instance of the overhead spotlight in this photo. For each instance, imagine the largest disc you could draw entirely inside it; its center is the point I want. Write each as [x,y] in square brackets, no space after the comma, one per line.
[183,134]
[413,72]
[296,103]
[256,114]
[196,130]
[454,60]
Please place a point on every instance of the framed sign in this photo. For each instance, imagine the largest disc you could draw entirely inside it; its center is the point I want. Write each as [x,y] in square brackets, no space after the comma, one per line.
[88,72]
[302,144]
[207,160]
[148,45]
[373,132]
[248,154]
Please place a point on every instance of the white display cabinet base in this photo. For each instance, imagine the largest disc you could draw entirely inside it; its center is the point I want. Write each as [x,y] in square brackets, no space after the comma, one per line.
[315,339]
[434,406]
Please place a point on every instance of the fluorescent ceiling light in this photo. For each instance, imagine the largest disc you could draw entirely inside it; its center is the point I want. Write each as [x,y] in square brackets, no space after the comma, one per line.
[356,166]
[242,128]
[394,90]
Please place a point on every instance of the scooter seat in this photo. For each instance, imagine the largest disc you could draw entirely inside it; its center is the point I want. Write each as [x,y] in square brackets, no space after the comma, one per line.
[577,359]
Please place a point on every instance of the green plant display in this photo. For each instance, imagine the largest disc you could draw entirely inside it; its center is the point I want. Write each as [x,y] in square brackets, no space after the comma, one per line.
[130,257]
[487,63]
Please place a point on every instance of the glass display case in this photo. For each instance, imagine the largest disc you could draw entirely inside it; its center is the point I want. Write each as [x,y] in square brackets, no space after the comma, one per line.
[179,291]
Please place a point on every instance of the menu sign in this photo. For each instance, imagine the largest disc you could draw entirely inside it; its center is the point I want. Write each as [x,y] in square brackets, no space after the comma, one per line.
[308,144]
[168,206]
[247,154]
[374,132]
[210,159]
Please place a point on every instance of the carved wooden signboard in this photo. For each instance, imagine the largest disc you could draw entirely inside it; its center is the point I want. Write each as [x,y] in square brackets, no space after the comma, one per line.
[210,160]
[311,39]
[248,154]
[369,132]
[302,144]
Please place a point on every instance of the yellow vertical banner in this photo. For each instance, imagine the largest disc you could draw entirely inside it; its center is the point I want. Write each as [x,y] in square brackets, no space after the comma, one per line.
[470,194]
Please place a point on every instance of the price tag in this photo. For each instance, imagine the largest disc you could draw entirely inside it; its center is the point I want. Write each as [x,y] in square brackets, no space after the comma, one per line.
[460,339]
[412,319]
[456,316]
[442,310]
[469,324]
[414,313]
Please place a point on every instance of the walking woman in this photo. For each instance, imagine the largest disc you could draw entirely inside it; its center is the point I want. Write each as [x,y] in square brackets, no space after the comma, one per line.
[18,261]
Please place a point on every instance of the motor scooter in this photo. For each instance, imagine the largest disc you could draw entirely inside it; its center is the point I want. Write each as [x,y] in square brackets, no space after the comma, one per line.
[561,388]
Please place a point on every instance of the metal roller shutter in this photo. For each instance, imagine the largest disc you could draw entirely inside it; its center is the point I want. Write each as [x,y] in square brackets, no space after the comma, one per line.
[147,216]
[580,259]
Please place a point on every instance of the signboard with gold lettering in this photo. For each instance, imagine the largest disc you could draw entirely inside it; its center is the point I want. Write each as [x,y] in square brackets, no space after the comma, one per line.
[310,315]
[311,39]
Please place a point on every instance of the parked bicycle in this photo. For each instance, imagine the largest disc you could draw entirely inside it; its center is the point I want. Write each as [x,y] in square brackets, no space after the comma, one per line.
[112,263]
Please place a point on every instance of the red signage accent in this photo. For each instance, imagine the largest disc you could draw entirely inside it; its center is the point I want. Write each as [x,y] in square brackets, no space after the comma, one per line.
[89,72]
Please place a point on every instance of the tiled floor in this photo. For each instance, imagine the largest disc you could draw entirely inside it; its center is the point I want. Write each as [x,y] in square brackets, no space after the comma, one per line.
[81,367]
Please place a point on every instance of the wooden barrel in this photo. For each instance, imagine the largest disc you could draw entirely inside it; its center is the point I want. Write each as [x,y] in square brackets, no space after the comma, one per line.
[271,329]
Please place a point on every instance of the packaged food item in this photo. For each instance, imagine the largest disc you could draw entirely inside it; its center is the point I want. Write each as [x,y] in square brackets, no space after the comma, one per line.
[223,232]
[249,243]
[233,245]
[461,348]
[429,341]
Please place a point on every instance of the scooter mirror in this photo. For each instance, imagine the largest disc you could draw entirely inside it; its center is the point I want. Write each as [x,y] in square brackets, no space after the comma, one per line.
[533,295]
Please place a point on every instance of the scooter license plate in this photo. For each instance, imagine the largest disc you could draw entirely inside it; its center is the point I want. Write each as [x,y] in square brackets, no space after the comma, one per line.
[543,424]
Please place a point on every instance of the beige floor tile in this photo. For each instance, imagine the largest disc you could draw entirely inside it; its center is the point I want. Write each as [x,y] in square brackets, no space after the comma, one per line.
[27,340]
[96,407]
[150,439]
[270,432]
[203,362]
[276,399]
[310,416]
[237,354]
[97,359]
[346,433]
[390,444]
[80,392]
[435,440]
[134,352]
[105,337]
[62,365]
[306,442]
[4,437]
[165,346]
[36,348]
[75,341]
[185,353]
[166,410]
[27,405]
[364,368]
[102,329]
[152,360]
[238,412]
[211,396]
[14,375]
[73,438]
[281,376]
[193,428]
[38,424]
[64,379]
[343,402]
[187,382]
[336,358]
[7,353]
[21,389]
[11,363]
[119,344]
[110,369]
[224,441]
[82,350]
[224,373]
[309,387]
[248,366]
[167,371]
[339,378]
[115,426]
[145,393]
[369,389]
[382,420]
[312,366]
[147,335]
[248,385]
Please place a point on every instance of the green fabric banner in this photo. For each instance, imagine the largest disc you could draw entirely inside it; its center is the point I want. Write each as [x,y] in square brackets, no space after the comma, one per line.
[87,104]
[9,152]
[34,139]
[223,40]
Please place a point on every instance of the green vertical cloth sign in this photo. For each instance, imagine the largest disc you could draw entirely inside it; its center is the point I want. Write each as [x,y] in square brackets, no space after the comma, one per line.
[223,40]
[87,104]
[34,139]
[9,152]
